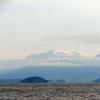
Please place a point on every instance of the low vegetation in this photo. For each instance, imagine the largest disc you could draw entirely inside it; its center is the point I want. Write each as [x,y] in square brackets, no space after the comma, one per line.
[50,92]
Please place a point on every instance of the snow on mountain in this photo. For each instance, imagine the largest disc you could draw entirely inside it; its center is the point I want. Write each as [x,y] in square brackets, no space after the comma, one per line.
[52,58]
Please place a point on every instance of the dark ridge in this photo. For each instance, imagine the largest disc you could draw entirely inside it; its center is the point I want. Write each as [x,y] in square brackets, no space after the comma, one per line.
[35,79]
[97,80]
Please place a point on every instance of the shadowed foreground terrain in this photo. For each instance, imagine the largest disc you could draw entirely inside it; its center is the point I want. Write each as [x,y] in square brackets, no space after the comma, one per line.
[50,92]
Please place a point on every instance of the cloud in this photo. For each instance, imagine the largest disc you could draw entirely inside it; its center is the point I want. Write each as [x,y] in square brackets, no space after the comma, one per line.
[3,2]
[54,54]
[52,58]
[93,38]
[49,24]
[97,55]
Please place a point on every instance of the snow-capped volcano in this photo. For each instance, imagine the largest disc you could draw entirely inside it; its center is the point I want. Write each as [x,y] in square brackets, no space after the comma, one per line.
[52,54]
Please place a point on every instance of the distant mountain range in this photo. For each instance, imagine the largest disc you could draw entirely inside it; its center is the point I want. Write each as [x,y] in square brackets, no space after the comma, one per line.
[52,73]
[53,65]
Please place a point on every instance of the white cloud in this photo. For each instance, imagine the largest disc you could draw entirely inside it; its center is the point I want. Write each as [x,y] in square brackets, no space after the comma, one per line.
[52,58]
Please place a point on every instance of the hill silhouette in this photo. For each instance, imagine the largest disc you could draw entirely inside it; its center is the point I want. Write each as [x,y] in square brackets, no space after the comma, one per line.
[97,80]
[35,79]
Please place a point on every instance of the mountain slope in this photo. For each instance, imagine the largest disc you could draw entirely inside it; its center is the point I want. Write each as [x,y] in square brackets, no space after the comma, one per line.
[69,74]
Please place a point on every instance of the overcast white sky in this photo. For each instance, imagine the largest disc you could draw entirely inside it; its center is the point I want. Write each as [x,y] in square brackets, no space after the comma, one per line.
[28,26]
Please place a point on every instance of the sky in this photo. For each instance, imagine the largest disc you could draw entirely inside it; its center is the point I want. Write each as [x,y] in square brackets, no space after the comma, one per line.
[29,26]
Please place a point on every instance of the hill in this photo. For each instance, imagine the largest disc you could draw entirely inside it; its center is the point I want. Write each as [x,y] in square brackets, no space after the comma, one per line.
[97,80]
[35,79]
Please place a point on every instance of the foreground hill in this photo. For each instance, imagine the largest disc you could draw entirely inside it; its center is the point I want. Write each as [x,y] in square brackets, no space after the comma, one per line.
[35,79]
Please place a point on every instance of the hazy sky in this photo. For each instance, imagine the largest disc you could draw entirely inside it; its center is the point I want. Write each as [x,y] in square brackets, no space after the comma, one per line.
[28,26]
